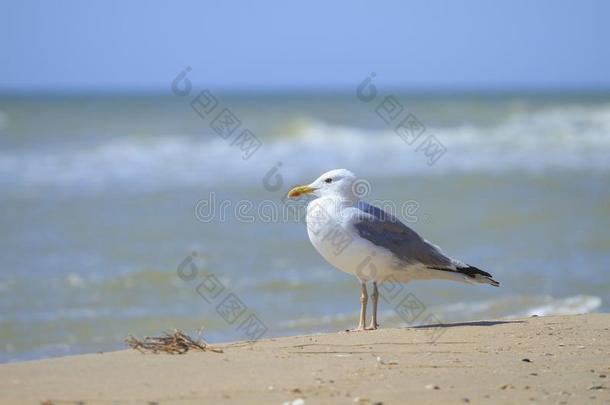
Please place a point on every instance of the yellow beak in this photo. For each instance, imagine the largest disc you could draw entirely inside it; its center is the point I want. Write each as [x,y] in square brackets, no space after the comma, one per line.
[299,191]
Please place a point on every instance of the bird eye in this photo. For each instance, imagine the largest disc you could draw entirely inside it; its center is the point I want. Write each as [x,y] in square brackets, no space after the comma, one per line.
[328,180]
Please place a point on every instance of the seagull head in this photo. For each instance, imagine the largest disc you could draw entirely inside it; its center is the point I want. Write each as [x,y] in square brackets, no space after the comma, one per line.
[335,183]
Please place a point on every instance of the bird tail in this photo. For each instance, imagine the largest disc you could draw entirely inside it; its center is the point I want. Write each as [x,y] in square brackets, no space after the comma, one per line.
[477,275]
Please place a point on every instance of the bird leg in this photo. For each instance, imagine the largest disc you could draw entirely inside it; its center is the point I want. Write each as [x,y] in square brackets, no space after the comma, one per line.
[375,298]
[364,297]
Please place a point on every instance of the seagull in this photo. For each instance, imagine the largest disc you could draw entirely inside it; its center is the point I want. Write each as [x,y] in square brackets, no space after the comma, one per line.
[364,240]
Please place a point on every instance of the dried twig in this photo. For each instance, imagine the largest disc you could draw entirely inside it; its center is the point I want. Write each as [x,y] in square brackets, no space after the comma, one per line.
[176,343]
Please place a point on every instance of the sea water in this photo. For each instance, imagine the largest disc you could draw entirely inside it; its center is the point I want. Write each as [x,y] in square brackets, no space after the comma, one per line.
[134,214]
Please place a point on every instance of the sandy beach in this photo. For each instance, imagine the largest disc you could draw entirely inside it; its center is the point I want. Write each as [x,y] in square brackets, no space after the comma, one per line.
[556,359]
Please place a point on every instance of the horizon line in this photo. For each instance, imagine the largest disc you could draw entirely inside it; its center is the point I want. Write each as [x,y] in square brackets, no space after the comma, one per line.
[306,91]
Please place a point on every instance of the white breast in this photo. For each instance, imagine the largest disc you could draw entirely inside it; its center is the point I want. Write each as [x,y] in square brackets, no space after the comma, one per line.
[331,233]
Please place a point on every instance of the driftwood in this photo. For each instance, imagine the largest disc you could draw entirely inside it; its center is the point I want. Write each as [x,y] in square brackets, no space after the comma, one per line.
[176,343]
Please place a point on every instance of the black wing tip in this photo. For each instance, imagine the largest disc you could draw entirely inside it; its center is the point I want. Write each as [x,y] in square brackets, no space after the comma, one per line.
[481,275]
[473,272]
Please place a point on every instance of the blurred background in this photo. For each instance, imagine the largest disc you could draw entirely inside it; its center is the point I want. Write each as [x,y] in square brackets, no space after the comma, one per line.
[104,163]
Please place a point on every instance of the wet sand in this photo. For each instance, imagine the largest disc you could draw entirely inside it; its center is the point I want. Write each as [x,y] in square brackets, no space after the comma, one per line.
[558,360]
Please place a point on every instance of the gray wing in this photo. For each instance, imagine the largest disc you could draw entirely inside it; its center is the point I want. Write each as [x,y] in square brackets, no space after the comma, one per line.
[385,230]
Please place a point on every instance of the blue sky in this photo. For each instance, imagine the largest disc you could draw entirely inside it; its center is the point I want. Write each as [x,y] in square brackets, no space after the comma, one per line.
[283,45]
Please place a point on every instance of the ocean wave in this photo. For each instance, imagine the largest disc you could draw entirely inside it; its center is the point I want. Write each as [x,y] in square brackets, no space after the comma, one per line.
[567,138]
[579,304]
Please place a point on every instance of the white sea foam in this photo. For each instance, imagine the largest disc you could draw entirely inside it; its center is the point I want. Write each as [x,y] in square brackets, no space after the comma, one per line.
[579,304]
[567,138]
